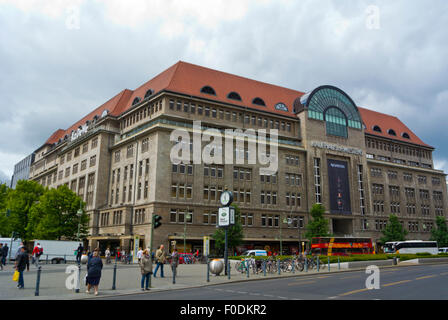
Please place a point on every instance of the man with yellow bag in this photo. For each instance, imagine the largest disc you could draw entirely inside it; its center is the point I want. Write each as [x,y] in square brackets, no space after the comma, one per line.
[22,262]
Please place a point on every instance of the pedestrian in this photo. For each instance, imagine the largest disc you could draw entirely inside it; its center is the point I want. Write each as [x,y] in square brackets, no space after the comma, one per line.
[22,263]
[160,259]
[107,253]
[19,250]
[5,254]
[139,254]
[37,252]
[1,256]
[94,267]
[174,261]
[79,252]
[145,263]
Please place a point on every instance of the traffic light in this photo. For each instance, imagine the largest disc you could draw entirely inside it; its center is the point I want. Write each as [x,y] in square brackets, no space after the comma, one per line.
[157,222]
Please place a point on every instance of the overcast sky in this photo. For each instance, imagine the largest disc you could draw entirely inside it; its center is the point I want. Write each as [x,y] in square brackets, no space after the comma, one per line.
[61,59]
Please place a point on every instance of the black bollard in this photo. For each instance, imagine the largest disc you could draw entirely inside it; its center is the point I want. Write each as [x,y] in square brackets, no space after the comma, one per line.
[264,267]
[36,293]
[208,270]
[173,268]
[228,269]
[115,275]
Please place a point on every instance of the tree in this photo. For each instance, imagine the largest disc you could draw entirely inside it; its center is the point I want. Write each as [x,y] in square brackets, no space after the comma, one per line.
[235,233]
[394,231]
[318,225]
[55,216]
[20,201]
[5,228]
[440,234]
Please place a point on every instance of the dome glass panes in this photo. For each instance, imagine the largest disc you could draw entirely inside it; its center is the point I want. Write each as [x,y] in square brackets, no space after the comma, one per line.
[335,122]
[325,97]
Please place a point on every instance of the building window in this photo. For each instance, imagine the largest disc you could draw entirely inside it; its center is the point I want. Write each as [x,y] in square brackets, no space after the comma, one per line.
[317,180]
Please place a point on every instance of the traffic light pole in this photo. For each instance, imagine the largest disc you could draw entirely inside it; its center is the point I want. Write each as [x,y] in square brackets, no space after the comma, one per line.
[226,253]
[150,247]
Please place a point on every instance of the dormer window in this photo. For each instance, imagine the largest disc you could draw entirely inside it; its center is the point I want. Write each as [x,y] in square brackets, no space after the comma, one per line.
[208,90]
[377,129]
[136,100]
[148,93]
[405,135]
[259,102]
[234,96]
[391,132]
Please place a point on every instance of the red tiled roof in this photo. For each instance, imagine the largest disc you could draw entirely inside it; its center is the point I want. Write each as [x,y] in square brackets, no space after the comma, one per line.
[187,78]
[386,122]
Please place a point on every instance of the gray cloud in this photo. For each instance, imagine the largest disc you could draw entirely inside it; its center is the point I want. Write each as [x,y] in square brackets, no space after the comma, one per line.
[56,75]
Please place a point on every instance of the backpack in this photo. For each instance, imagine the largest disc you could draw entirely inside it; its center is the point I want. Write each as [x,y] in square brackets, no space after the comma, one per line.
[41,251]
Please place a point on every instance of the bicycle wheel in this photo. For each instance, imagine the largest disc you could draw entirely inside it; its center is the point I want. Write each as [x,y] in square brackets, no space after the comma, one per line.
[299,266]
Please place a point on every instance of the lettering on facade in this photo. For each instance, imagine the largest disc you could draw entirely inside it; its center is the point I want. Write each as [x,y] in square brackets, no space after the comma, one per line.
[334,147]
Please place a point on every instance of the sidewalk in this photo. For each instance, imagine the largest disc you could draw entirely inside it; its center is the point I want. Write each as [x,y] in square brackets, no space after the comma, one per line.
[53,279]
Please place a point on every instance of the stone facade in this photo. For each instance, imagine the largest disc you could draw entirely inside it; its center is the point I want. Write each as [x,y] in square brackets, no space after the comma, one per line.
[121,168]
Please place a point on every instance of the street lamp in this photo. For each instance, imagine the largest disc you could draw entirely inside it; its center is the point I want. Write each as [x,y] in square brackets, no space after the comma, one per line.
[186,217]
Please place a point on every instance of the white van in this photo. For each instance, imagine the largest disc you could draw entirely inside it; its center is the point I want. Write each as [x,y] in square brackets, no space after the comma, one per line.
[443,250]
[255,253]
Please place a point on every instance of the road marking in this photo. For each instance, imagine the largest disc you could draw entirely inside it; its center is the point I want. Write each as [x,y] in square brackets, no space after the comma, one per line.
[395,283]
[351,277]
[242,292]
[282,297]
[297,284]
[426,277]
[335,297]
[352,292]
[255,294]
[322,277]
[268,295]
[444,274]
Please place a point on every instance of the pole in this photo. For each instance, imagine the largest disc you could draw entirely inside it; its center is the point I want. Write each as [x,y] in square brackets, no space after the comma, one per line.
[208,269]
[36,293]
[78,284]
[264,267]
[228,270]
[328,263]
[339,264]
[150,245]
[115,274]
[226,253]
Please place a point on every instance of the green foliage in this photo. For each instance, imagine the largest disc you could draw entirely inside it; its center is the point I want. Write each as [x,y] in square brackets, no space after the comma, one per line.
[235,233]
[440,233]
[318,225]
[5,229]
[393,231]
[55,216]
[20,201]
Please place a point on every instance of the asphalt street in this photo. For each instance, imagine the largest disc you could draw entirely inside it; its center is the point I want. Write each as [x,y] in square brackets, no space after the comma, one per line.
[423,282]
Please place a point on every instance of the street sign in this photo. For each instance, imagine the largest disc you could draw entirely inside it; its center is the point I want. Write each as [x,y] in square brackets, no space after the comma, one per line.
[226,216]
[206,249]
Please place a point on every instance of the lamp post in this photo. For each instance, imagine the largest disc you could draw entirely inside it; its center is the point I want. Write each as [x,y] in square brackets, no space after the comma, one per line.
[186,217]
[79,214]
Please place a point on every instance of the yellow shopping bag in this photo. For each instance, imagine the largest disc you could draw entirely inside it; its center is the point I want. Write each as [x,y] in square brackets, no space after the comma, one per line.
[15,277]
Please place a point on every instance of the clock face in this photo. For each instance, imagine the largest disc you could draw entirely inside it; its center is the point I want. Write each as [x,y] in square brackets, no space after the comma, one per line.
[225,198]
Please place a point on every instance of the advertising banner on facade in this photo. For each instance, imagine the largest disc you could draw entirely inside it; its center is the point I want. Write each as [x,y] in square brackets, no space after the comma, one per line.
[339,187]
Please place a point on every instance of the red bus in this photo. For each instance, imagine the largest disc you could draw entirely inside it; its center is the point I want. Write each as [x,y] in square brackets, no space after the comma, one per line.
[333,246]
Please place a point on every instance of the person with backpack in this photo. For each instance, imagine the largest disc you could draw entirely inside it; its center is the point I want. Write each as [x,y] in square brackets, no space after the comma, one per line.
[37,252]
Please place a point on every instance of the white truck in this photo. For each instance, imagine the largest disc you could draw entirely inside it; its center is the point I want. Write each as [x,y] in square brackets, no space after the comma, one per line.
[12,243]
[56,251]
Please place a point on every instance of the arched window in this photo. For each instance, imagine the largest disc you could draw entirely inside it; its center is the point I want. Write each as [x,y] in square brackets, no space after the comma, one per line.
[148,93]
[208,90]
[136,100]
[281,106]
[234,96]
[259,102]
[377,129]
[336,122]
[406,135]
[391,132]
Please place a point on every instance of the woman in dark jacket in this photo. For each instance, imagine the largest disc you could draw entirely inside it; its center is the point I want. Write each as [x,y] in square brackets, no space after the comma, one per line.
[94,267]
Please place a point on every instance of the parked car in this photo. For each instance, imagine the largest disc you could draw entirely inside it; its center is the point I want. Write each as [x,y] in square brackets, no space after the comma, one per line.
[255,253]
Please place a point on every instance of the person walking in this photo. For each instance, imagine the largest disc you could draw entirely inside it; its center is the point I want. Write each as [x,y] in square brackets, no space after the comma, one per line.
[160,259]
[19,250]
[139,254]
[174,261]
[79,252]
[22,263]
[94,267]
[107,253]
[37,252]
[145,263]
[1,256]
[5,254]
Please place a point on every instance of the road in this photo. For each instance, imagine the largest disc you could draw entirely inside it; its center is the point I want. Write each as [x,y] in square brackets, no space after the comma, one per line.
[423,282]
